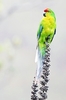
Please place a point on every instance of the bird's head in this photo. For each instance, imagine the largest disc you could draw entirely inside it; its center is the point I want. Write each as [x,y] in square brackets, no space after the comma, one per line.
[48,12]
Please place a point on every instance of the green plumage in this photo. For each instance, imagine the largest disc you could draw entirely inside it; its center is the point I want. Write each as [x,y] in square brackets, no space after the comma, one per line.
[46,30]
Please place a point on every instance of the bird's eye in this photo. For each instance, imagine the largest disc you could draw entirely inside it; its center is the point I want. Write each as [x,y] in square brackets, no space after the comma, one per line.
[44,14]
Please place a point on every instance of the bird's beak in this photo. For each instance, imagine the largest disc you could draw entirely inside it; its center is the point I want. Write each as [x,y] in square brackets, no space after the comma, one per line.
[46,10]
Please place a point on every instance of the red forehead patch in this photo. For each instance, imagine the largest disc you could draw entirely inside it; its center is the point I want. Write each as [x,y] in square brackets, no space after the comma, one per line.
[46,10]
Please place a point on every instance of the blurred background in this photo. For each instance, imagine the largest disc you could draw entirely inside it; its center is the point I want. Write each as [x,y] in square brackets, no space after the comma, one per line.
[19,20]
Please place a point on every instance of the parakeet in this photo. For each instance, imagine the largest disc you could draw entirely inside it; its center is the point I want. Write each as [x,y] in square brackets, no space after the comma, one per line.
[45,34]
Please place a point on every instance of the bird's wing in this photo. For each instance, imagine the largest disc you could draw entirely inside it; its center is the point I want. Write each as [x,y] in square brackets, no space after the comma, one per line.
[53,35]
[39,31]
[50,37]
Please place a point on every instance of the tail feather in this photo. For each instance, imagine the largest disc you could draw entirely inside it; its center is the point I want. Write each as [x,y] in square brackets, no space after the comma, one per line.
[39,60]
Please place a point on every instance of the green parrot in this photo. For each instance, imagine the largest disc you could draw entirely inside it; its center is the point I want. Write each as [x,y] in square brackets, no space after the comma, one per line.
[45,34]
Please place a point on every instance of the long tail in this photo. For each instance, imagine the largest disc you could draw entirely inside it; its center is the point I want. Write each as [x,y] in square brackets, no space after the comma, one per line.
[39,60]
